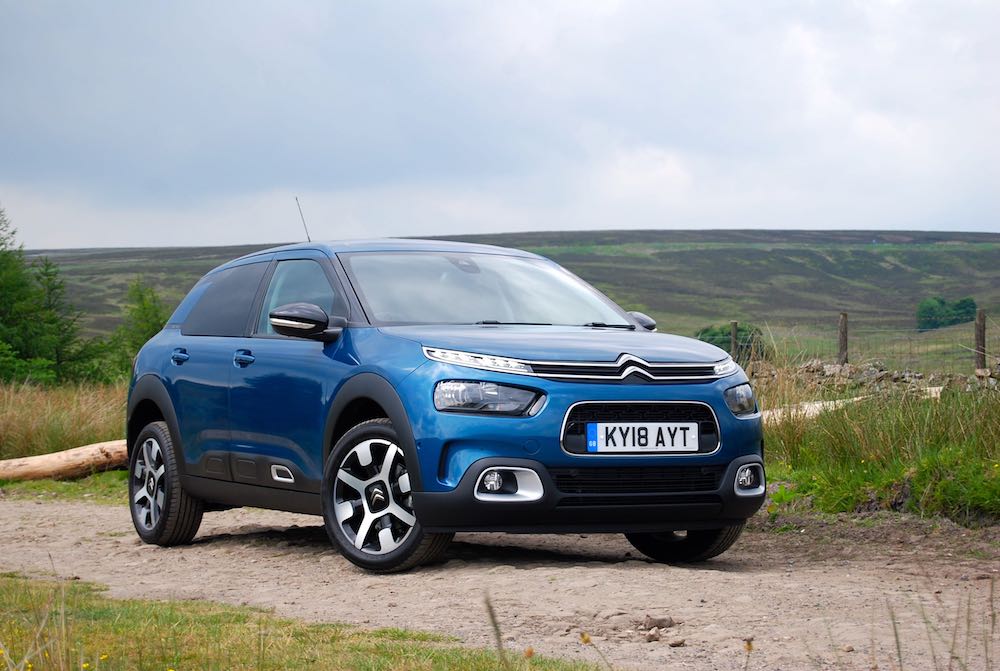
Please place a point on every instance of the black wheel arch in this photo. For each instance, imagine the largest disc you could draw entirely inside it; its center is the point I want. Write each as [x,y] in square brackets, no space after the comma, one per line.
[148,402]
[356,401]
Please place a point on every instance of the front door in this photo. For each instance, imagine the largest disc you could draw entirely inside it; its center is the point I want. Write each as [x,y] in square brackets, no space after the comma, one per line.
[281,392]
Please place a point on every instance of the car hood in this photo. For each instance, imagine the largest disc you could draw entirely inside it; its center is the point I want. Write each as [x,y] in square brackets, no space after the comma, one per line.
[561,343]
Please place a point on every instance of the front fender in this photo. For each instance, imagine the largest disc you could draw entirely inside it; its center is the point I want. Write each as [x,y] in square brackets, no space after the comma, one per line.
[376,388]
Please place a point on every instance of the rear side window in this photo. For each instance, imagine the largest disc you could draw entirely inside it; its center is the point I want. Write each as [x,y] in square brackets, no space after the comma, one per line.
[223,307]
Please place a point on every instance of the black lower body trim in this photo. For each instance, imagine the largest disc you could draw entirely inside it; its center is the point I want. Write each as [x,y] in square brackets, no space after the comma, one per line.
[238,494]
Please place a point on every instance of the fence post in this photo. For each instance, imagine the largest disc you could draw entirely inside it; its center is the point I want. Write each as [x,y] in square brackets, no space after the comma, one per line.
[842,339]
[980,339]
[733,329]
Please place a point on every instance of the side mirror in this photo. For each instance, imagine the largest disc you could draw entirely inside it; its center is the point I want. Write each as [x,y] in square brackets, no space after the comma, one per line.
[645,321]
[305,320]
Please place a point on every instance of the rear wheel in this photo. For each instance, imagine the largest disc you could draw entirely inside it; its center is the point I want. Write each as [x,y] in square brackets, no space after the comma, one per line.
[162,512]
[681,547]
[368,504]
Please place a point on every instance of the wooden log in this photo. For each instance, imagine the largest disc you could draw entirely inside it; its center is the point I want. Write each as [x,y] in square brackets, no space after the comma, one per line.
[68,464]
[734,330]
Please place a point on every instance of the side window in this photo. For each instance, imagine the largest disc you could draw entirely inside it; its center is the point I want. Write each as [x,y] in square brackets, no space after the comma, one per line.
[297,281]
[225,300]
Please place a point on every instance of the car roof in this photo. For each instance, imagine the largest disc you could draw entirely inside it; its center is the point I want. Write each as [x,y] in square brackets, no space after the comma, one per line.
[332,247]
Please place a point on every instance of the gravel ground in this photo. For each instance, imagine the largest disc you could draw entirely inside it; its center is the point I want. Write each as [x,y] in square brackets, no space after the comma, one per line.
[812,592]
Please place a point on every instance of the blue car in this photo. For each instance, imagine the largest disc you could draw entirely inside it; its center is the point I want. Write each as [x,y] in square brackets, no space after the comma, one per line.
[405,390]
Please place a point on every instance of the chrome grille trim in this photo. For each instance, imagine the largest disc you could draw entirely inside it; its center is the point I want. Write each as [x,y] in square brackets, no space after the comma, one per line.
[606,371]
[622,367]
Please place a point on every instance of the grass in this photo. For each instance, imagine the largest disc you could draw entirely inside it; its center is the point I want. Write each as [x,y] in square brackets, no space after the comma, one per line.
[73,625]
[110,487]
[39,420]
[896,451]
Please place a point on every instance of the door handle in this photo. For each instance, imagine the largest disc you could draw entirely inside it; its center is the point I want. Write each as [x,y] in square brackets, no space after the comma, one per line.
[179,356]
[243,358]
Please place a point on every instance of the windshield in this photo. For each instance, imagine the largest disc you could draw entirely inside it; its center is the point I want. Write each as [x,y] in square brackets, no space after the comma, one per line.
[446,288]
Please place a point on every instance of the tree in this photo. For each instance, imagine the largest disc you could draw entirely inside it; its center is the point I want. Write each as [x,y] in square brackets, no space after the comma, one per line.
[59,339]
[15,369]
[964,310]
[931,313]
[18,293]
[39,328]
[936,312]
[145,315]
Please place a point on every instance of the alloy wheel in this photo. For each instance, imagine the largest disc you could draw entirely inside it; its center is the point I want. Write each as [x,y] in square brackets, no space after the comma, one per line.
[149,484]
[372,500]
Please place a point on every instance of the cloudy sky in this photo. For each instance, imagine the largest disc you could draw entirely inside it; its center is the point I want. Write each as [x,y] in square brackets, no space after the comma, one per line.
[182,123]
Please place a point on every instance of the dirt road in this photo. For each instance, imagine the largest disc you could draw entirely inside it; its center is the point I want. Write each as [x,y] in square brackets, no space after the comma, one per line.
[813,595]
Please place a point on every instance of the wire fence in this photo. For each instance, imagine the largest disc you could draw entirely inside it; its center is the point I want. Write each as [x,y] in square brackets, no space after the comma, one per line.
[950,350]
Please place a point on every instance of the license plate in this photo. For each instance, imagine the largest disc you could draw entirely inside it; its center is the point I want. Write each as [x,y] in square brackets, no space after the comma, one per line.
[642,437]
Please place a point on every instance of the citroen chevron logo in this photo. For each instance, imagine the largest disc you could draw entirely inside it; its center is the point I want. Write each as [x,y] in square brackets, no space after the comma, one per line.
[639,366]
[378,498]
[623,358]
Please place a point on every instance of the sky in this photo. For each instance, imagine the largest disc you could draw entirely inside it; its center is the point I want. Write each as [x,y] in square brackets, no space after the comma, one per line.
[197,123]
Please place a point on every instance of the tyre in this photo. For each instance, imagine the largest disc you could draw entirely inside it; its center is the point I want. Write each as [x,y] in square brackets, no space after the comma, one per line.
[162,512]
[693,546]
[367,502]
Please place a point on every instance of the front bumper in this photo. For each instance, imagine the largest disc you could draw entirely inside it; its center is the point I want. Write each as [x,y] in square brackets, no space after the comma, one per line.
[453,449]
[561,511]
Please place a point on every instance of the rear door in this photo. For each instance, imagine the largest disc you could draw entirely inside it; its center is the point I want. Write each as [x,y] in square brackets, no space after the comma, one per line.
[201,363]
[281,393]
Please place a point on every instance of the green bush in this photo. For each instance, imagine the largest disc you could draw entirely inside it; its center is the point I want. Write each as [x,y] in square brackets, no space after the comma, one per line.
[750,343]
[13,368]
[936,312]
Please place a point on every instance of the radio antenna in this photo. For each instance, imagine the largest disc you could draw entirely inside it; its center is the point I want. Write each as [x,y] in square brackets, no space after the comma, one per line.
[303,217]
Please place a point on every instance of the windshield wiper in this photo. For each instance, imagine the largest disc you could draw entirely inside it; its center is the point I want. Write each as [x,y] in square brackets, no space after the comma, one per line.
[628,327]
[494,322]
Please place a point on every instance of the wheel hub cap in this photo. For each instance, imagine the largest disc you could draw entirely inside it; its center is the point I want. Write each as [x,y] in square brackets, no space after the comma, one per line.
[377,499]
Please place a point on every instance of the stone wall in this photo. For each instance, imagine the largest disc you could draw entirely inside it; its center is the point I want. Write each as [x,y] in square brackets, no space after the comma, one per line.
[873,375]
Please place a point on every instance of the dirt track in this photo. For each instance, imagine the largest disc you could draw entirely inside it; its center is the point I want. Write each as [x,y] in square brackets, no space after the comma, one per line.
[804,594]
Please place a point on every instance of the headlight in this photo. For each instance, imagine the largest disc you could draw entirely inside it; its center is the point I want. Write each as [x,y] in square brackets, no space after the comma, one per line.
[482,361]
[488,397]
[727,367]
[740,400]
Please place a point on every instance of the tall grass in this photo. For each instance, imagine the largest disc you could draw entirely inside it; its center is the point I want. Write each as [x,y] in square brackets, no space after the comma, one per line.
[38,420]
[896,451]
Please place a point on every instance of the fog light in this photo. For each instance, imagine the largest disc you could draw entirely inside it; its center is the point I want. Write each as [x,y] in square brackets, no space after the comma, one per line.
[750,480]
[508,484]
[493,481]
[747,478]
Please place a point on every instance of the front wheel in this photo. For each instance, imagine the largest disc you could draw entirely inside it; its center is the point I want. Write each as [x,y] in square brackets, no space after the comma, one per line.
[695,545]
[368,504]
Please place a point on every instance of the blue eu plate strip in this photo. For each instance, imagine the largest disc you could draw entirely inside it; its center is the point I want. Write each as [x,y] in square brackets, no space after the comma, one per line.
[591,437]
